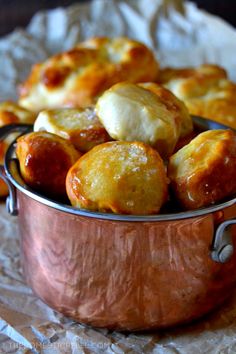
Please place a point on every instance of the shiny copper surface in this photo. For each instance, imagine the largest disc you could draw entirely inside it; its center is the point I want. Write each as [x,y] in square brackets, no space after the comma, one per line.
[123,275]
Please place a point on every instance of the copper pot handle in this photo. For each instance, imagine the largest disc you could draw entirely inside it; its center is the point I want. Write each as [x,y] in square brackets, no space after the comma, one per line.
[222,246]
[11,201]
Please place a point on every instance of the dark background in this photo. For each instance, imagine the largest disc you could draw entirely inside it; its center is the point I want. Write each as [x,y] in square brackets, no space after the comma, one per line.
[18,12]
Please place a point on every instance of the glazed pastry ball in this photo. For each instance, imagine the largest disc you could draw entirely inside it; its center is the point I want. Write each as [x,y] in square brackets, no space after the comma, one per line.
[81,127]
[119,177]
[205,90]
[203,172]
[44,160]
[174,104]
[11,113]
[77,77]
[130,112]
[189,82]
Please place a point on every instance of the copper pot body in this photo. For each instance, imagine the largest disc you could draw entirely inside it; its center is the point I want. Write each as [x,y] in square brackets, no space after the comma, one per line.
[123,275]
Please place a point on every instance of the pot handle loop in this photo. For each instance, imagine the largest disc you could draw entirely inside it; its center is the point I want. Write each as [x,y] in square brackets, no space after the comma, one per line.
[222,247]
[11,201]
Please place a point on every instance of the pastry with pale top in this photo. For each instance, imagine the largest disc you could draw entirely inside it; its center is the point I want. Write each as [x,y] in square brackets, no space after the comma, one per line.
[174,104]
[205,90]
[119,177]
[76,78]
[44,160]
[133,113]
[80,126]
[203,172]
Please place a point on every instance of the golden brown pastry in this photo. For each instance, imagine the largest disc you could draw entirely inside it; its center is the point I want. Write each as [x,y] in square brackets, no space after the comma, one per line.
[10,113]
[132,113]
[122,177]
[174,104]
[203,172]
[44,160]
[197,79]
[205,90]
[76,78]
[81,127]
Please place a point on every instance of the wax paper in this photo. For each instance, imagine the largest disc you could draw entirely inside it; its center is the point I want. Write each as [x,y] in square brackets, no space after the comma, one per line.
[180,35]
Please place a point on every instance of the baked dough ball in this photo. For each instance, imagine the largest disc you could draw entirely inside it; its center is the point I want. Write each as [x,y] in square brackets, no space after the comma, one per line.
[203,172]
[198,79]
[174,104]
[122,177]
[77,77]
[44,160]
[132,113]
[81,127]
[10,113]
[205,90]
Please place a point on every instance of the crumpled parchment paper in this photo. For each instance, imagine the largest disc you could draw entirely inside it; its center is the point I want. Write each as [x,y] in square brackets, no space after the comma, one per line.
[179,39]
[182,38]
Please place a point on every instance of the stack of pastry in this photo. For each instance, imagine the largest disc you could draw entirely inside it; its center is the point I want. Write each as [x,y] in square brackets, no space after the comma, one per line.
[113,133]
[76,78]
[128,175]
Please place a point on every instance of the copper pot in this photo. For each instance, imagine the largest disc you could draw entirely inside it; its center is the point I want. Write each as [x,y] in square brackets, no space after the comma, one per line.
[123,272]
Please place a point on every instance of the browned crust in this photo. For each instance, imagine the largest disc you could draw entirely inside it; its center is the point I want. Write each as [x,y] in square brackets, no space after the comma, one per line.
[92,70]
[205,90]
[44,161]
[80,187]
[211,184]
[86,139]
[192,75]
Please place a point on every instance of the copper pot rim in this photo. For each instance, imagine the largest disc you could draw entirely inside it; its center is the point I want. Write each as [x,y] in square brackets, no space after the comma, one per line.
[13,176]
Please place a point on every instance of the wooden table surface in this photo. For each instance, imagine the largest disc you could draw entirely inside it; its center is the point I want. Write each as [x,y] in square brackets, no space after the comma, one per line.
[15,13]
